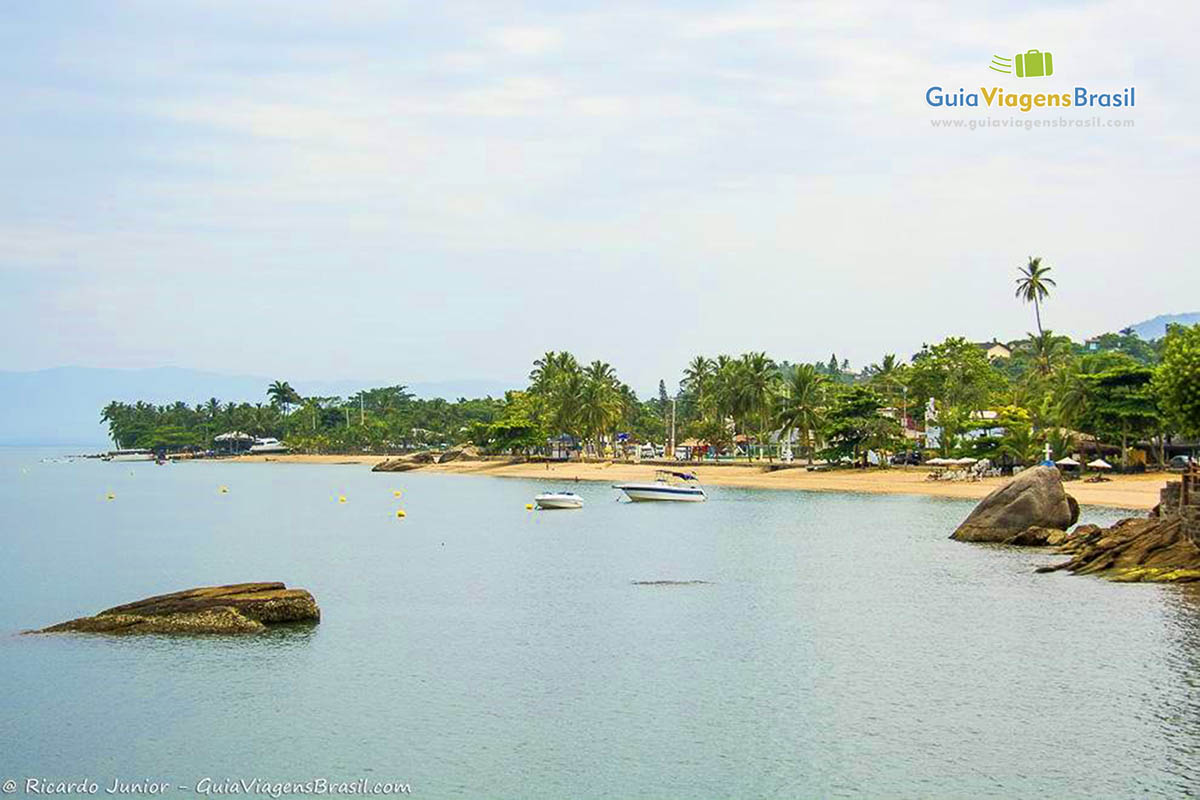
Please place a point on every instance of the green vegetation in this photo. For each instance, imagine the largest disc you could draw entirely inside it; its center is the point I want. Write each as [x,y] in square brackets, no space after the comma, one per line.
[1111,394]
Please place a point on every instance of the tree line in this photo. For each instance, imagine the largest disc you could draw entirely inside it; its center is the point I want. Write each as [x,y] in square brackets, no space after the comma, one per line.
[1116,390]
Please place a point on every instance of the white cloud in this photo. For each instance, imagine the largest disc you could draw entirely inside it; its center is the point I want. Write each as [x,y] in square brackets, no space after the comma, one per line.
[527,41]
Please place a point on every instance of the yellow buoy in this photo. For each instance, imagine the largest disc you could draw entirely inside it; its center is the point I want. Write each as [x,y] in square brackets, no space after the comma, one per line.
[396,493]
[224,490]
[341,498]
[110,496]
[529,506]
[400,513]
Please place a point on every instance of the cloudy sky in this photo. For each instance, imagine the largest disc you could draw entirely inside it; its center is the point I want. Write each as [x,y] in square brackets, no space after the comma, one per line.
[428,191]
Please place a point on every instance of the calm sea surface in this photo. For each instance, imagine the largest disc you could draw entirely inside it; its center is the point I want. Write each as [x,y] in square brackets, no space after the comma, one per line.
[843,647]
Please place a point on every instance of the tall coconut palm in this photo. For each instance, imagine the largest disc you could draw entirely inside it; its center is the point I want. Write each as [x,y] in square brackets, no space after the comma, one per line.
[757,381]
[697,375]
[1034,286]
[600,402]
[800,405]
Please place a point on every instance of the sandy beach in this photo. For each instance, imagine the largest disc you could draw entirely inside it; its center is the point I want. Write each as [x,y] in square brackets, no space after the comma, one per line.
[1139,492]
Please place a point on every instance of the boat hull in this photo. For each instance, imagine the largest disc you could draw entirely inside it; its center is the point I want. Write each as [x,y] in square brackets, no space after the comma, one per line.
[649,492]
[558,501]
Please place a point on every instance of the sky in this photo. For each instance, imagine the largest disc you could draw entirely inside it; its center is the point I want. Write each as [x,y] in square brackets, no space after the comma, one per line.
[434,191]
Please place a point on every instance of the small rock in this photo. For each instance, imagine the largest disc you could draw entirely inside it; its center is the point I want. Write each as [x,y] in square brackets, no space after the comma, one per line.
[1037,536]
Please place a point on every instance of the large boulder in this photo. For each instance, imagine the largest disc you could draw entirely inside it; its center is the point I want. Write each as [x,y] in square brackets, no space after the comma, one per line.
[236,608]
[1034,498]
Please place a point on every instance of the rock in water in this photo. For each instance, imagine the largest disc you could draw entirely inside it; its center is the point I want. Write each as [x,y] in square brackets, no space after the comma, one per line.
[1133,551]
[1037,536]
[1034,498]
[237,608]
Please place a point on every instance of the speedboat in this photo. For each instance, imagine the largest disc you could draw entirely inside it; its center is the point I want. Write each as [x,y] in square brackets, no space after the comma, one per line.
[667,485]
[268,445]
[138,454]
[551,500]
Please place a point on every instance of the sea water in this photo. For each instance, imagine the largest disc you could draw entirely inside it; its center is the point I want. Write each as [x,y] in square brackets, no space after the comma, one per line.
[840,645]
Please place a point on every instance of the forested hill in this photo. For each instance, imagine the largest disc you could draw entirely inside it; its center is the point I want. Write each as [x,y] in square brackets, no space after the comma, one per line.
[1157,328]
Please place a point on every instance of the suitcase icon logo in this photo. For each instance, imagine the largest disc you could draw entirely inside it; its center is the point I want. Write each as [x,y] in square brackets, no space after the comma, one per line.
[1031,64]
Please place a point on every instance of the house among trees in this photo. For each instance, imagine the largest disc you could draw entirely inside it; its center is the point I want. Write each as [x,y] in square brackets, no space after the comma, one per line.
[994,349]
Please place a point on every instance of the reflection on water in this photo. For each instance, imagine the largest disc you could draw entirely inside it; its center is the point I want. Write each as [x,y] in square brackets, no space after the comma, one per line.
[841,645]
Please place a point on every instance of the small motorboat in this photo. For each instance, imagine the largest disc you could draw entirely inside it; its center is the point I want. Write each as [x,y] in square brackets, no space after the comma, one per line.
[135,454]
[667,485]
[553,500]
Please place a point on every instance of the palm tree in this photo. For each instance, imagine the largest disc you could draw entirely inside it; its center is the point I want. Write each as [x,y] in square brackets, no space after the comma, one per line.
[757,380]
[283,395]
[600,401]
[697,375]
[1048,352]
[1033,286]
[888,375]
[800,405]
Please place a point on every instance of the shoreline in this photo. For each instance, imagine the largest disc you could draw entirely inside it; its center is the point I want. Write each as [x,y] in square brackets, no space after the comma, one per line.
[1130,492]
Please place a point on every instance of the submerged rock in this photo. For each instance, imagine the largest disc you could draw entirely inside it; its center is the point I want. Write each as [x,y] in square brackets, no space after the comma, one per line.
[1034,498]
[236,608]
[1154,550]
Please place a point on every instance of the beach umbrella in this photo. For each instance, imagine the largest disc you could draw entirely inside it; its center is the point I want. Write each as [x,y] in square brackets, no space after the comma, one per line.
[1067,462]
[1100,463]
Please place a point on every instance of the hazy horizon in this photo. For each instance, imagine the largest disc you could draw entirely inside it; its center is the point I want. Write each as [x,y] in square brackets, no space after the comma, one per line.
[334,192]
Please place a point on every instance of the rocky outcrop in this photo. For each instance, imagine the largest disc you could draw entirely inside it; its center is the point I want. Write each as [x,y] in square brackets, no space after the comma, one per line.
[396,465]
[236,608]
[406,462]
[464,453]
[1134,550]
[1034,498]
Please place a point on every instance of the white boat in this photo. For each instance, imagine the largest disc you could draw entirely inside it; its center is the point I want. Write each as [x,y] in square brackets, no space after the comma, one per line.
[268,445]
[551,500]
[667,485]
[138,454]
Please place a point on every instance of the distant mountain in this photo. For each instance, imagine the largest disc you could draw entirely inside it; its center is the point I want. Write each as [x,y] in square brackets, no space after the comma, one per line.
[61,406]
[1157,328]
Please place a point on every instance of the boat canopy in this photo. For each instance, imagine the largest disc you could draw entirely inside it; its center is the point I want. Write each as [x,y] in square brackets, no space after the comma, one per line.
[686,476]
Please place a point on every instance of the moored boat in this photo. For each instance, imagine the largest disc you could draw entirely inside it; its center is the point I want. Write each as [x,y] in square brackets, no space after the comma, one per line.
[138,454]
[556,500]
[667,485]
